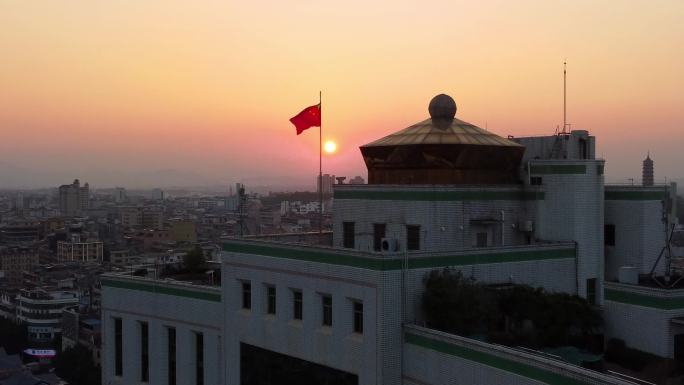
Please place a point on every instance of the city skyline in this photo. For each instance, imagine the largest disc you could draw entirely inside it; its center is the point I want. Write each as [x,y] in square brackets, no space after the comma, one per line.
[136,91]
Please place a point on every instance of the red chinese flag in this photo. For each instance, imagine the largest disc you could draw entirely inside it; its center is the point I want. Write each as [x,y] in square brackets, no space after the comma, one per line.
[309,117]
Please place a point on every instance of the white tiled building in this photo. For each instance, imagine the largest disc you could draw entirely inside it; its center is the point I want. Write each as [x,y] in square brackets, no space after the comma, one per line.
[442,193]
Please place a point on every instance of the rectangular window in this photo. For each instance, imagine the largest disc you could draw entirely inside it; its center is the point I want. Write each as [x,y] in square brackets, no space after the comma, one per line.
[199,359]
[270,299]
[144,352]
[297,305]
[536,180]
[378,234]
[591,291]
[327,310]
[246,295]
[358,317]
[412,237]
[118,347]
[171,367]
[348,235]
[609,235]
[481,240]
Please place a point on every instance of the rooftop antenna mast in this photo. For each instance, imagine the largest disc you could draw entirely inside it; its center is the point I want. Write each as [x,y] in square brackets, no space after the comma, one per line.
[559,151]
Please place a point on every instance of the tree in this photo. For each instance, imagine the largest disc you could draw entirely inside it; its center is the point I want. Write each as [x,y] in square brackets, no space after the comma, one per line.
[194,260]
[13,336]
[77,367]
[513,315]
[455,304]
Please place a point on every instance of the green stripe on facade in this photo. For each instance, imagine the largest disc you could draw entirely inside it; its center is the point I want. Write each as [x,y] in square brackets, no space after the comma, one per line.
[438,196]
[318,256]
[635,195]
[174,291]
[600,169]
[491,360]
[664,303]
[487,258]
[386,264]
[558,169]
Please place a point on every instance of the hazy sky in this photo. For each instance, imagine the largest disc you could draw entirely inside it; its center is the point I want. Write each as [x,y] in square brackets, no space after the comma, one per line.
[105,89]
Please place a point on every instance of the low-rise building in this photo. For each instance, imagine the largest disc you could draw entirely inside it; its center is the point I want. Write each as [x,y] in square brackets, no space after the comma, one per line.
[78,250]
[15,260]
[19,231]
[82,329]
[183,231]
[41,310]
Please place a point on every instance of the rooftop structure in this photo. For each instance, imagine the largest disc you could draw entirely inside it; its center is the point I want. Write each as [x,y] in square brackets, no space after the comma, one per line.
[442,150]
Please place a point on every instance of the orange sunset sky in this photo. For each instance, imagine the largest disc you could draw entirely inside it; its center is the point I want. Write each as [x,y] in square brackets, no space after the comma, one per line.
[108,90]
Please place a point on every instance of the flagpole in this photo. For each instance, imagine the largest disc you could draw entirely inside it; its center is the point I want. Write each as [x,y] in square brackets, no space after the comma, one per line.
[320,168]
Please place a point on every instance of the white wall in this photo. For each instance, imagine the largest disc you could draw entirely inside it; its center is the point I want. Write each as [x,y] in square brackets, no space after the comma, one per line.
[160,311]
[640,234]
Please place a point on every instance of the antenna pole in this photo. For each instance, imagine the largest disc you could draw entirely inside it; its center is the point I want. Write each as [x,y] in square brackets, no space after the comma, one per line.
[565,123]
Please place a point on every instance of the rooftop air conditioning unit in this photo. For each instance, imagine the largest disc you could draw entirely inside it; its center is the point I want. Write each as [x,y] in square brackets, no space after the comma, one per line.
[389,245]
[628,274]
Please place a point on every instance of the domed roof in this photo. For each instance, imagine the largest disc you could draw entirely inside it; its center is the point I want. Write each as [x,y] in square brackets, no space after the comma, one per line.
[443,128]
[442,150]
[455,131]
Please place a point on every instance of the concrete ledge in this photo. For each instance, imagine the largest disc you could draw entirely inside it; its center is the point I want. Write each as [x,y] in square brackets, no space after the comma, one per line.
[517,362]
[653,297]
[438,193]
[385,262]
[174,288]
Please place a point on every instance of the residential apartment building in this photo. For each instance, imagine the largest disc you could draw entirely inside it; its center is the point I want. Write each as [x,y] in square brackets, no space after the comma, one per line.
[15,260]
[80,250]
[74,198]
[144,217]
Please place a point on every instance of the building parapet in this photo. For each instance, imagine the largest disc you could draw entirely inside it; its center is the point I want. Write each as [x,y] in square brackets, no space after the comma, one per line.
[635,192]
[439,192]
[309,237]
[653,297]
[564,166]
[164,286]
[537,367]
[397,261]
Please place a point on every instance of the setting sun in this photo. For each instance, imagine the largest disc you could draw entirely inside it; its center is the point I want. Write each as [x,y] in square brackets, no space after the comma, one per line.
[330,147]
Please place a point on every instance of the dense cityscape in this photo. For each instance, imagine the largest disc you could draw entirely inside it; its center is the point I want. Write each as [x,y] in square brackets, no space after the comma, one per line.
[56,243]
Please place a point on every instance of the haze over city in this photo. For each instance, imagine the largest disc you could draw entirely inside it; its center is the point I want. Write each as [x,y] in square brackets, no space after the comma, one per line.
[162,93]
